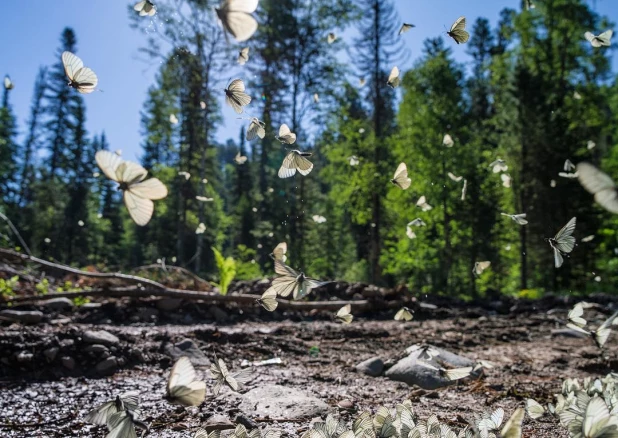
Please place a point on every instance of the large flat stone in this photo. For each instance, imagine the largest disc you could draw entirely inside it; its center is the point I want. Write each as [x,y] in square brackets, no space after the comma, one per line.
[186,347]
[23,316]
[276,401]
[99,337]
[372,367]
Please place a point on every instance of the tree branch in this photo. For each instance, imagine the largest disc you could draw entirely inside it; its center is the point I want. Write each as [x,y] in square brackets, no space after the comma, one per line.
[64,268]
[180,269]
[207,297]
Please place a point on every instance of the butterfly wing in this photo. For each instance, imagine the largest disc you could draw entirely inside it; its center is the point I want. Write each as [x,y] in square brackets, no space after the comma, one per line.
[72,64]
[458,373]
[565,242]
[287,168]
[243,56]
[393,78]
[285,135]
[279,252]
[101,414]
[152,189]
[512,428]
[400,178]
[86,80]
[140,209]
[182,386]
[108,162]
[303,165]
[130,173]
[558,259]
[236,20]
[268,300]
[534,409]
[121,426]
[458,31]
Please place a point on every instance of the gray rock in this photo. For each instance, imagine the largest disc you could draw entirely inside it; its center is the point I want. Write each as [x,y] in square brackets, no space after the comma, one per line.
[188,348]
[23,316]
[51,353]
[96,349]
[91,305]
[276,401]
[107,366]
[99,337]
[57,303]
[168,304]
[218,422]
[409,371]
[68,362]
[372,367]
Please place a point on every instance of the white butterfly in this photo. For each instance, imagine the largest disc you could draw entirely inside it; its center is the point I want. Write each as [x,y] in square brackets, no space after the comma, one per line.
[401,179]
[122,425]
[183,388]
[204,199]
[145,7]
[80,223]
[563,242]
[512,428]
[279,252]
[362,82]
[331,37]
[464,189]
[568,175]
[243,56]
[81,78]
[318,219]
[393,78]
[534,409]
[603,39]
[201,433]
[479,267]
[499,166]
[448,141]
[592,420]
[576,95]
[405,27]
[344,314]
[316,98]
[236,19]
[600,185]
[292,282]
[221,374]
[100,415]
[354,161]
[590,145]
[491,422]
[422,203]
[293,161]
[285,135]
[454,178]
[506,180]
[256,129]
[458,31]
[235,95]
[418,222]
[601,334]
[568,166]
[202,104]
[269,300]
[403,314]
[173,119]
[186,175]
[588,238]
[518,218]
[138,193]
[200,228]
[8,84]
[552,183]
[240,159]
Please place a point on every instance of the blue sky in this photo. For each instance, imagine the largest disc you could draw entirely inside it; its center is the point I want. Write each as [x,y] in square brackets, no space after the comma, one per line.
[30,32]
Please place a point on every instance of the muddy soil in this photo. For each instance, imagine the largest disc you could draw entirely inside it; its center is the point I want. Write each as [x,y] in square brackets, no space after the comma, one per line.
[45,396]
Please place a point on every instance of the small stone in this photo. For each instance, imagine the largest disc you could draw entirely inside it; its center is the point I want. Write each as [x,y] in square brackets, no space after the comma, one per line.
[96,349]
[218,314]
[186,347]
[277,401]
[24,357]
[107,366]
[245,421]
[90,306]
[218,422]
[68,362]
[57,303]
[346,404]
[372,367]
[99,337]
[168,304]
[51,353]
[23,316]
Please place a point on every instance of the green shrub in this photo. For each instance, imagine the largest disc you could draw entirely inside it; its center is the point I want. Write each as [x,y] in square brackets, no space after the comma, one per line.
[227,271]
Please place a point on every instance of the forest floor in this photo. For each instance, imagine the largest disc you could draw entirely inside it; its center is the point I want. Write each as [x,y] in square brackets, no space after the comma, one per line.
[44,398]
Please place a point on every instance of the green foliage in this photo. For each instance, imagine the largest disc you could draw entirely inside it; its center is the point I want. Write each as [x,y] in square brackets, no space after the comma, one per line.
[42,287]
[7,286]
[80,301]
[246,266]
[226,268]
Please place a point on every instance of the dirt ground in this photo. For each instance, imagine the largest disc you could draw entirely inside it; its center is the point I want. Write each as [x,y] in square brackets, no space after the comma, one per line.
[44,399]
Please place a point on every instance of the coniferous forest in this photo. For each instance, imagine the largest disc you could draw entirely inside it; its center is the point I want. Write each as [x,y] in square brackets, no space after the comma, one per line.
[532,93]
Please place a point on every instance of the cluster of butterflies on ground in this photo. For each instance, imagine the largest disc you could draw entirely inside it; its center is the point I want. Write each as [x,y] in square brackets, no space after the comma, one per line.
[183,388]
[577,323]
[588,409]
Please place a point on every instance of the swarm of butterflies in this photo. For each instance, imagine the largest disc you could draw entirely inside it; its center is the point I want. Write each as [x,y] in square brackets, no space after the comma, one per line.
[588,408]
[402,422]
[121,415]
